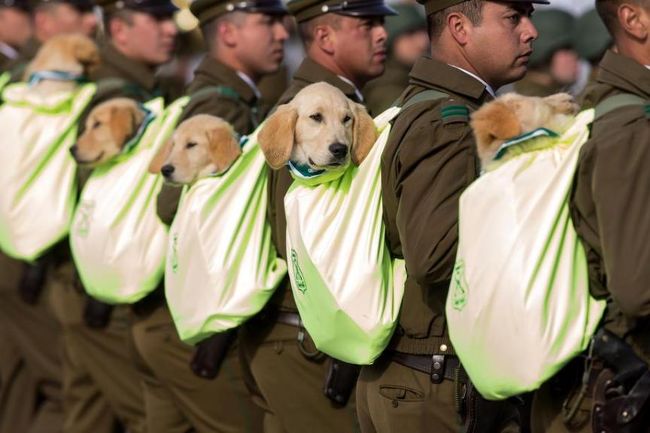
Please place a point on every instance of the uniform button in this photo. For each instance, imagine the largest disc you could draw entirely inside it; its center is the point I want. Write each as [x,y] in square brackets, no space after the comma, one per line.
[435,376]
[436,365]
[443,348]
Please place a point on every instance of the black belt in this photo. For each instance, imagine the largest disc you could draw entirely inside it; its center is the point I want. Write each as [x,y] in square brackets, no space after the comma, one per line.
[438,367]
[291,319]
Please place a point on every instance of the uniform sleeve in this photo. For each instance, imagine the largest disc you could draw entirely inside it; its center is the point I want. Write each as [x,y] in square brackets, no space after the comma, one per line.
[436,163]
[621,191]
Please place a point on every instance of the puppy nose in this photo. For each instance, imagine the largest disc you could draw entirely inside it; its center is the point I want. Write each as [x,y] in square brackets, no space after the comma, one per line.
[338,150]
[167,170]
[73,151]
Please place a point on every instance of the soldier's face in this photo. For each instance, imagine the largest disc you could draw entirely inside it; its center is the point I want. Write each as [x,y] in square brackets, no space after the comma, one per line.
[15,26]
[63,18]
[359,47]
[258,40]
[146,38]
[500,46]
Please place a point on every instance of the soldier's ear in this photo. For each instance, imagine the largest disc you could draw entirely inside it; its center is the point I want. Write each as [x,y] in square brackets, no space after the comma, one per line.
[159,159]
[364,134]
[223,147]
[277,136]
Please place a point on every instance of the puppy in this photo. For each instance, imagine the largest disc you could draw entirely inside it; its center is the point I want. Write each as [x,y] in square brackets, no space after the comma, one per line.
[512,114]
[200,146]
[320,128]
[108,127]
[71,53]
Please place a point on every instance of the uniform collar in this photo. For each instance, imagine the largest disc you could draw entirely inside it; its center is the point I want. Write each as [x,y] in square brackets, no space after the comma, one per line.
[624,73]
[8,51]
[428,72]
[356,89]
[312,72]
[215,72]
[248,80]
[131,70]
[487,86]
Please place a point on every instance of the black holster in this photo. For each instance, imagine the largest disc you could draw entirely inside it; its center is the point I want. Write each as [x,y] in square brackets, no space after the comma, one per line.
[341,380]
[478,415]
[32,281]
[97,314]
[211,352]
[622,389]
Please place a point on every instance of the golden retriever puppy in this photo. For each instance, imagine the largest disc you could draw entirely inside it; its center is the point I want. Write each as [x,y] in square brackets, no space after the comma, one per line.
[74,54]
[512,115]
[201,146]
[320,128]
[109,126]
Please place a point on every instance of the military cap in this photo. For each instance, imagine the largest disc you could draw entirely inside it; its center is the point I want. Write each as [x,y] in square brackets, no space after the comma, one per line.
[82,5]
[206,10]
[555,28]
[159,8]
[20,4]
[304,10]
[409,19]
[433,6]
[590,37]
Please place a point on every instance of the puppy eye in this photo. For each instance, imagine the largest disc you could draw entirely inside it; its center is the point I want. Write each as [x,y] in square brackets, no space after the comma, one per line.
[317,117]
[190,145]
[96,125]
[346,119]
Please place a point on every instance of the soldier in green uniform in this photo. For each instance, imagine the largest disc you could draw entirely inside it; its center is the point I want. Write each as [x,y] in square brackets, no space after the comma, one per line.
[407,42]
[98,343]
[15,29]
[418,385]
[608,205]
[553,66]
[345,45]
[245,42]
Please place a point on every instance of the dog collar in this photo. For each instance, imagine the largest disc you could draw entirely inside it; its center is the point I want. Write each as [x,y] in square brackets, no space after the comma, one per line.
[537,133]
[149,116]
[308,176]
[39,76]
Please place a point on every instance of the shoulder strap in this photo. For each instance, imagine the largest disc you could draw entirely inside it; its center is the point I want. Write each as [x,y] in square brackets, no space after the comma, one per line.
[618,101]
[427,95]
[226,92]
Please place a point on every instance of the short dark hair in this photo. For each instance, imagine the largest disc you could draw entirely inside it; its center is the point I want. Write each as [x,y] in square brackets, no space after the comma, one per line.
[608,11]
[472,9]
[125,15]
[306,28]
[209,29]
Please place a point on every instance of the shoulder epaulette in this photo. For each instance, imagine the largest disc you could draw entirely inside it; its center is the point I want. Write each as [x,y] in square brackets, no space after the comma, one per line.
[453,112]
[226,92]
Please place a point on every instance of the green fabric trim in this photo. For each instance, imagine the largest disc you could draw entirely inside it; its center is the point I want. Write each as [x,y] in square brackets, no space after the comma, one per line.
[227,92]
[508,145]
[4,79]
[455,111]
[618,101]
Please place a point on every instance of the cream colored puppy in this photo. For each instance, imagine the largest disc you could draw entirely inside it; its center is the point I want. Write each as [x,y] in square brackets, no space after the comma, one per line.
[74,54]
[200,146]
[512,115]
[109,126]
[320,128]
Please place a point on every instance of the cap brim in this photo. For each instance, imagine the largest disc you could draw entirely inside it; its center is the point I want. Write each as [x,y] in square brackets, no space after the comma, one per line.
[379,10]
[166,10]
[270,10]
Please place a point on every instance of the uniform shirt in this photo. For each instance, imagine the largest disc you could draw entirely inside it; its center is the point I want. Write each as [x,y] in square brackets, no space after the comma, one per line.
[18,65]
[381,92]
[241,112]
[610,201]
[428,162]
[308,73]
[7,54]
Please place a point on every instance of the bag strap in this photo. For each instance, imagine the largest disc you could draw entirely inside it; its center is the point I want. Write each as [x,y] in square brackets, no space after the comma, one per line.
[427,95]
[226,92]
[618,101]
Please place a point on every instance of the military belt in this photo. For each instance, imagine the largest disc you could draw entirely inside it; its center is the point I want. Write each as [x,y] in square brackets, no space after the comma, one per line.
[291,319]
[438,367]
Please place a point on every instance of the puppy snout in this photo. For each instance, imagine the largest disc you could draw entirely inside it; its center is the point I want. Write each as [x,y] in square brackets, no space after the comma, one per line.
[167,170]
[339,150]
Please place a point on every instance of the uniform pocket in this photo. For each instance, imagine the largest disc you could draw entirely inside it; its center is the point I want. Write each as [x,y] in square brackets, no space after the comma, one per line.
[401,393]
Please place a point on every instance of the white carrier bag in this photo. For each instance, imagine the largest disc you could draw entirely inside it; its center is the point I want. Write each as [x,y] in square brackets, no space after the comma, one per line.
[519,306]
[222,267]
[37,172]
[347,287]
[117,241]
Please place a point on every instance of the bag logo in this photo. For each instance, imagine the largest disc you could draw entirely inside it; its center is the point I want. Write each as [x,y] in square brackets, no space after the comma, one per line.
[85,211]
[459,290]
[297,273]
[174,255]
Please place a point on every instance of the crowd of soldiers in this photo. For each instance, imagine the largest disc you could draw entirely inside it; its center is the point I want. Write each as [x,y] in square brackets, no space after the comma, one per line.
[72,364]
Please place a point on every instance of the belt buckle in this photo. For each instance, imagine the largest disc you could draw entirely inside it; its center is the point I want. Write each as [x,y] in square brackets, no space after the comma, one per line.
[437,369]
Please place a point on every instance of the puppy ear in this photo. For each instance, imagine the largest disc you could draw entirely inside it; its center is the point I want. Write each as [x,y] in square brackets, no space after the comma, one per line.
[492,125]
[86,52]
[159,159]
[364,134]
[562,103]
[223,146]
[277,136]
[122,123]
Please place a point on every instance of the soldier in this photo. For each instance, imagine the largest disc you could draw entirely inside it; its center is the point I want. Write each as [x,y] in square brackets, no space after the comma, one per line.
[607,204]
[245,42]
[428,161]
[15,29]
[346,46]
[553,66]
[98,342]
[591,40]
[407,42]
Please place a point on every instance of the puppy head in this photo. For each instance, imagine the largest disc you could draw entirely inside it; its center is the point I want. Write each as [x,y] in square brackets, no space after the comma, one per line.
[320,128]
[74,53]
[109,126]
[512,114]
[201,145]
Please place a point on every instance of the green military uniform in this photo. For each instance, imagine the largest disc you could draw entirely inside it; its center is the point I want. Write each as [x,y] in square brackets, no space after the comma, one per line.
[531,87]
[25,55]
[608,207]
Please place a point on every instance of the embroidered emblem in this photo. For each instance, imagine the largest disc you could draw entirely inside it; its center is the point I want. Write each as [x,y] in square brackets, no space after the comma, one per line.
[459,286]
[299,278]
[174,255]
[85,213]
